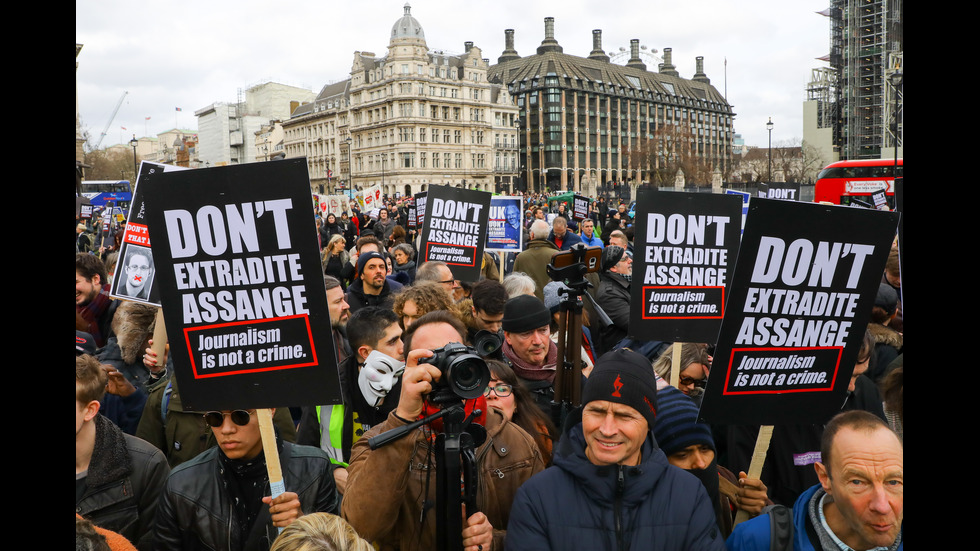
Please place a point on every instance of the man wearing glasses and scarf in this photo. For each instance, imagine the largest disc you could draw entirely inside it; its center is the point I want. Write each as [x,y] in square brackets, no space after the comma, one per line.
[221,498]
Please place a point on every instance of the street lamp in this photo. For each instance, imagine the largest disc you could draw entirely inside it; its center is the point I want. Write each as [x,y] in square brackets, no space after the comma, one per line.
[350,165]
[133,143]
[769,128]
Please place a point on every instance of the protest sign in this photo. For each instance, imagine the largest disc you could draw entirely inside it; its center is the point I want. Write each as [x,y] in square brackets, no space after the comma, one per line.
[780,190]
[412,216]
[371,198]
[455,229]
[684,250]
[420,208]
[85,211]
[580,207]
[241,286]
[134,268]
[799,302]
[505,230]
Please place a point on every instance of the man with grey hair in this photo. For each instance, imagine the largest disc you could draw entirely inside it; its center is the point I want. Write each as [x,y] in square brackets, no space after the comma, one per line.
[534,260]
[437,272]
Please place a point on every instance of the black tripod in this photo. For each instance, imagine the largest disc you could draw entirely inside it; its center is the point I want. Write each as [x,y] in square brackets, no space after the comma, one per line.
[455,464]
[568,374]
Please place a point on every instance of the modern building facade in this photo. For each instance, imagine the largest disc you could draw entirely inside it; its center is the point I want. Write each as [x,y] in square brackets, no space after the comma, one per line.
[587,123]
[854,107]
[227,130]
[411,118]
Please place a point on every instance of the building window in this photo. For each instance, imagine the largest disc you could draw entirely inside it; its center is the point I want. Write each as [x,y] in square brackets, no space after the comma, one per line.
[422,160]
[445,137]
[459,160]
[458,136]
[408,160]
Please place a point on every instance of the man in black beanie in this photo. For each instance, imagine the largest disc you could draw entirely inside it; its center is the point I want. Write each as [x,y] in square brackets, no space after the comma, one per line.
[528,347]
[610,481]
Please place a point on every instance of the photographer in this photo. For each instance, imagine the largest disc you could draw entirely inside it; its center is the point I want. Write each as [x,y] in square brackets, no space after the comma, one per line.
[385,501]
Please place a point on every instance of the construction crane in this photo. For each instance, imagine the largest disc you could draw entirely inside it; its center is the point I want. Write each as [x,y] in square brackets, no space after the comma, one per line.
[111,118]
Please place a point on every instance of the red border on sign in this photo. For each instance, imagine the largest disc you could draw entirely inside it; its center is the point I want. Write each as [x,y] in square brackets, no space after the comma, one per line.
[718,317]
[833,380]
[427,245]
[190,352]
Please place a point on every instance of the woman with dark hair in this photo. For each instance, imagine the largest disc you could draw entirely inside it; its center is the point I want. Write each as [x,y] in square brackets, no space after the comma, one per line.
[513,399]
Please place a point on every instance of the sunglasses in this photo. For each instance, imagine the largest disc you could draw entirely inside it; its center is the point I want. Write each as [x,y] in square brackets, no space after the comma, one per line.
[688,381]
[501,390]
[240,417]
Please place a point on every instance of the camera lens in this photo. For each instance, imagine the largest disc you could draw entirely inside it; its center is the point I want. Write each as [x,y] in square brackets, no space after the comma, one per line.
[468,375]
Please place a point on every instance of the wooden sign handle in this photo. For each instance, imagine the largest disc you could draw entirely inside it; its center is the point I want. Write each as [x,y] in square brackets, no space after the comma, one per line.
[268,433]
[755,467]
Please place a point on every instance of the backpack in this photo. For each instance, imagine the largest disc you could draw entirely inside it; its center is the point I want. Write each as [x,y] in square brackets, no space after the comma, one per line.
[780,527]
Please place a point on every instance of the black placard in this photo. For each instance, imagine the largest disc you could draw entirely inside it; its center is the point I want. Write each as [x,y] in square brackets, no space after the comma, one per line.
[455,229]
[241,287]
[685,246]
[580,207]
[781,190]
[801,295]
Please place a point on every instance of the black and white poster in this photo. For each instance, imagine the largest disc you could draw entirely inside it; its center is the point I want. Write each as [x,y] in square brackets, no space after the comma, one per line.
[580,207]
[685,246]
[799,302]
[455,229]
[135,269]
[419,201]
[781,190]
[241,286]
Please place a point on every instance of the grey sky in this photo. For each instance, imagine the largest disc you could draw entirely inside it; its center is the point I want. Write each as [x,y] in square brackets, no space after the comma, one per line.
[190,54]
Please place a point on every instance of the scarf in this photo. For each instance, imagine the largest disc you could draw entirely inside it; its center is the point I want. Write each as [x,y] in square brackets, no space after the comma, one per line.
[247,482]
[524,370]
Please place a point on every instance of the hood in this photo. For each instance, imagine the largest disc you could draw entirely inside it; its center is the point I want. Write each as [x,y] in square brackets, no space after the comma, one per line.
[885,335]
[133,324]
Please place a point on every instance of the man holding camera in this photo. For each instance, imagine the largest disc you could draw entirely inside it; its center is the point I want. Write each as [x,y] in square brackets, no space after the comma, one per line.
[394,506]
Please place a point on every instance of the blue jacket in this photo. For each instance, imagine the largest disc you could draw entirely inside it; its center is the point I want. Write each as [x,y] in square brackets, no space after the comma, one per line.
[566,244]
[578,505]
[596,241]
[754,535]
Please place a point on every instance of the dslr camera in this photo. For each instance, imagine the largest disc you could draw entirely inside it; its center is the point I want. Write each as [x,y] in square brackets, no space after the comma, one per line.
[464,373]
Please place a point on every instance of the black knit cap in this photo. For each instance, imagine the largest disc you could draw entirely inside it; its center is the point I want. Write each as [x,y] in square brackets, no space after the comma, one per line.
[611,256]
[525,313]
[624,377]
[363,260]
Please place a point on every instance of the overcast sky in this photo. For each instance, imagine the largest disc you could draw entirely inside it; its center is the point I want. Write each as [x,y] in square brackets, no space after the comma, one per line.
[190,54]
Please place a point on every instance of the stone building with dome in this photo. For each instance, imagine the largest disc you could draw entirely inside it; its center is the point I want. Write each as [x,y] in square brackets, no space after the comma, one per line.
[408,119]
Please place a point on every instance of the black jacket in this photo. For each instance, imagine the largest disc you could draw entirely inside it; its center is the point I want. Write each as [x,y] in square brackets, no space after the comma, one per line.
[196,511]
[357,298]
[125,478]
[614,297]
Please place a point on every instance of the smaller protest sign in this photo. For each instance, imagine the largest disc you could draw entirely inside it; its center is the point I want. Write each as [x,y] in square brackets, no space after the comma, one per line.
[685,247]
[799,302]
[85,211]
[580,207]
[135,269]
[880,200]
[505,230]
[780,190]
[455,229]
[371,198]
[420,208]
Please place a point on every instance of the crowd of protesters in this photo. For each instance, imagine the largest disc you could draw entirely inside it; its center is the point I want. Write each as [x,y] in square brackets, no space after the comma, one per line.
[633,468]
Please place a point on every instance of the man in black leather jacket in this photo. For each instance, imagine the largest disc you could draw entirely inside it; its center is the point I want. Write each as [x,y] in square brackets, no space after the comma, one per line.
[220,499]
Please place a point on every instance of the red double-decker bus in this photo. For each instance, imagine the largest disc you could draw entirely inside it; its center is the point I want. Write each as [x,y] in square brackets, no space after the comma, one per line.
[853,182]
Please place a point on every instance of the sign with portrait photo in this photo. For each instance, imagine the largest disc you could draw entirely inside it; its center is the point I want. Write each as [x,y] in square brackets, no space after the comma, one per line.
[505,231]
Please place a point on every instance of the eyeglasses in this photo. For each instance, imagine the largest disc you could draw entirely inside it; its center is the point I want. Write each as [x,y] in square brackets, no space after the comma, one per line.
[688,381]
[501,390]
[240,417]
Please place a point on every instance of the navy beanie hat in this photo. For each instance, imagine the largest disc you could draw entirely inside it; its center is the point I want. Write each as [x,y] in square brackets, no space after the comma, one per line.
[677,424]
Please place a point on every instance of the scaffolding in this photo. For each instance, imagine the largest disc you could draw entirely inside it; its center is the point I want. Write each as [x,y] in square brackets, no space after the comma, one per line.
[822,89]
[864,35]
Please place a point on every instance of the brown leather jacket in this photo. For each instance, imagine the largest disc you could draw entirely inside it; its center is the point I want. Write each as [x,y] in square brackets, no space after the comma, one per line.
[385,488]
